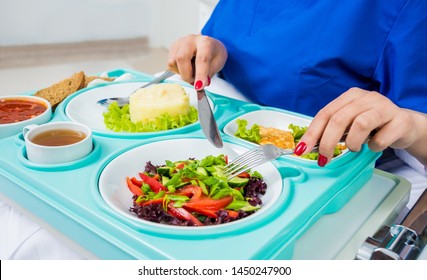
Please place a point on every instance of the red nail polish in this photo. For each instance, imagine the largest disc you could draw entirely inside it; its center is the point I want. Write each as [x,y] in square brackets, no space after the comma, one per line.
[322,160]
[300,148]
[198,85]
[209,81]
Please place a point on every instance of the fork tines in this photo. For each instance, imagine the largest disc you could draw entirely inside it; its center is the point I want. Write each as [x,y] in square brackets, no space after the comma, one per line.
[244,162]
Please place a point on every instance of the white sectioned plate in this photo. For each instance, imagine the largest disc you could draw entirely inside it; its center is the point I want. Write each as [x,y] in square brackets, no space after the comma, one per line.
[84,109]
[268,118]
[112,181]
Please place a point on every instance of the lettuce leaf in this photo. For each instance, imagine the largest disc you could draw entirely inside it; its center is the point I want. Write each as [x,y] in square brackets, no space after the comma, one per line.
[251,134]
[297,131]
[242,205]
[118,119]
[311,156]
[315,155]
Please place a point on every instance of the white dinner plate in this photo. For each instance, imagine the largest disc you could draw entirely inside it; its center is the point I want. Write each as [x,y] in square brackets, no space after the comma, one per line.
[84,109]
[112,181]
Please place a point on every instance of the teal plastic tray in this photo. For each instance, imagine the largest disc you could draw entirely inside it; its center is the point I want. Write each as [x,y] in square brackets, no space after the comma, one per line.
[67,196]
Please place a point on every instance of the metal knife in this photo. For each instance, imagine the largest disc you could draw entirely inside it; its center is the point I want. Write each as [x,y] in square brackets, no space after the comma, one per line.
[207,120]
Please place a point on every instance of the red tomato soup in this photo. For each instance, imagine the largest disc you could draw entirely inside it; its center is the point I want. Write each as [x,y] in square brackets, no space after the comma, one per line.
[19,109]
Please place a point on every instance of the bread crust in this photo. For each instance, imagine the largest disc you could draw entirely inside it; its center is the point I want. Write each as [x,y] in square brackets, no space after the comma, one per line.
[57,92]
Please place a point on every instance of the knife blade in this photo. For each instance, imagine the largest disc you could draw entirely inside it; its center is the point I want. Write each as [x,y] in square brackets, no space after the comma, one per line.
[207,120]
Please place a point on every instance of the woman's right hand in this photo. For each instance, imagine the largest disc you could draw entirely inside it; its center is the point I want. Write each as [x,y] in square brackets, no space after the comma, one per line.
[197,58]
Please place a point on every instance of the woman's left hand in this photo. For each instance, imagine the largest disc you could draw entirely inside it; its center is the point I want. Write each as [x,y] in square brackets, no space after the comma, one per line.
[359,112]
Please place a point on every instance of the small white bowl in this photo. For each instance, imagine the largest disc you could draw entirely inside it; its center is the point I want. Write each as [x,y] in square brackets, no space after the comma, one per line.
[269,118]
[9,129]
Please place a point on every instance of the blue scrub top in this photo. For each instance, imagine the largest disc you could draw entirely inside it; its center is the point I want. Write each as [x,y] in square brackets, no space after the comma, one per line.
[301,54]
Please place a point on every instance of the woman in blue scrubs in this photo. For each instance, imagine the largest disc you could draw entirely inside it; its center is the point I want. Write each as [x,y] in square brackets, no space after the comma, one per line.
[355,66]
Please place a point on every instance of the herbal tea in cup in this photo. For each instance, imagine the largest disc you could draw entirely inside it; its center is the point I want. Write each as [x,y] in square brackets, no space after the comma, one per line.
[57,142]
[58,137]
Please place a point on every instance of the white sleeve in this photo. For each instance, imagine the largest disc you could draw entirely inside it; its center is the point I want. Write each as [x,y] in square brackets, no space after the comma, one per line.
[411,161]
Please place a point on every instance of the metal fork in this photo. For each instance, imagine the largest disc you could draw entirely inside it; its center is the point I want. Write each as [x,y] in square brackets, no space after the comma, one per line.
[125,100]
[254,157]
[265,153]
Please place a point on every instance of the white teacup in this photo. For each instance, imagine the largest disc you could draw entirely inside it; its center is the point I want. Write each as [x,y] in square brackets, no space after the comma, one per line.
[57,142]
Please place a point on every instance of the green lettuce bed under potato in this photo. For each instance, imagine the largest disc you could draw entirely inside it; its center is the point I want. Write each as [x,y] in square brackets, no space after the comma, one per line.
[117,119]
[253,135]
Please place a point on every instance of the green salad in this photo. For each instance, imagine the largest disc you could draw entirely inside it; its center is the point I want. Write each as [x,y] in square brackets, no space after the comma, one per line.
[253,135]
[117,119]
[194,192]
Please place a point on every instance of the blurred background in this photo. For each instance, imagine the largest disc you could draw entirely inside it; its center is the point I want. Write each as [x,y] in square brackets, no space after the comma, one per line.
[45,41]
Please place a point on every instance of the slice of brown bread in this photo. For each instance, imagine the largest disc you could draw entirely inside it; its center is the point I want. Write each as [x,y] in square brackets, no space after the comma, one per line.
[56,93]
